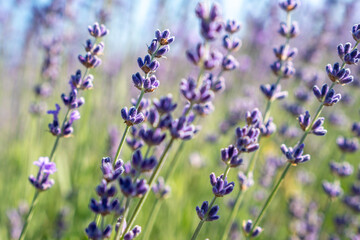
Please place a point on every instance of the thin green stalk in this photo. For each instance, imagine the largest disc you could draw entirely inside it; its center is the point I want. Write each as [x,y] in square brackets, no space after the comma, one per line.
[126,212]
[147,151]
[36,195]
[272,194]
[152,217]
[233,214]
[173,163]
[201,223]
[28,216]
[255,156]
[151,182]
[326,211]
[118,151]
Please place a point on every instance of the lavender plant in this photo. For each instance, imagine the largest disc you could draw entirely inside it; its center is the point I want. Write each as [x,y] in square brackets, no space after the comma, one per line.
[200,93]
[72,102]
[247,142]
[130,184]
[283,69]
[337,74]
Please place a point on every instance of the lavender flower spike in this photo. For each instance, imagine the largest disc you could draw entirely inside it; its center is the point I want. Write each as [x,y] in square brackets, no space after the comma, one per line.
[356,32]
[295,155]
[203,212]
[42,181]
[333,190]
[93,232]
[97,30]
[132,117]
[247,227]
[220,186]
[289,5]
[133,233]
[110,172]
[338,75]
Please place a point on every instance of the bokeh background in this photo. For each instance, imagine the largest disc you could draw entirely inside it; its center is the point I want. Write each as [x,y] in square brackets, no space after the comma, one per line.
[39,45]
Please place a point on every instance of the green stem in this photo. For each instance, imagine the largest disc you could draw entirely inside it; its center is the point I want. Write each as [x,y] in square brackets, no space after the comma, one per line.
[173,163]
[201,223]
[272,194]
[28,216]
[147,151]
[32,206]
[151,182]
[326,211]
[233,214]
[152,217]
[126,212]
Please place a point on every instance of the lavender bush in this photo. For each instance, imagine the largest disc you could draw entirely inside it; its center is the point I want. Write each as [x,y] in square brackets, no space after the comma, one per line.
[188,133]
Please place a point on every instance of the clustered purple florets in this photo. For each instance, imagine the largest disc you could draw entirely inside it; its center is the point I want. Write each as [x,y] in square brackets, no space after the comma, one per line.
[77,83]
[42,182]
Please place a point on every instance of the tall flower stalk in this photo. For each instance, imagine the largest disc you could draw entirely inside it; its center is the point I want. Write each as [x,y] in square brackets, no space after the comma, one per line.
[72,101]
[246,142]
[338,74]
[200,92]
[283,69]
[231,45]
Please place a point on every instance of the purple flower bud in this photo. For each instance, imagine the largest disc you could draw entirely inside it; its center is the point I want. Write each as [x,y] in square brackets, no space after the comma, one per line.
[132,117]
[284,53]
[93,232]
[233,44]
[289,5]
[152,137]
[165,104]
[342,169]
[356,32]
[304,120]
[347,145]
[228,153]
[133,233]
[229,63]
[196,56]
[220,186]
[161,190]
[201,212]
[110,172]
[247,226]
[247,138]
[147,65]
[355,129]
[267,128]
[89,60]
[153,46]
[97,30]
[339,75]
[215,58]
[295,155]
[203,109]
[232,26]
[216,84]
[201,11]
[162,51]
[333,190]
[42,181]
[54,127]
[291,32]
[164,37]
[273,92]
[181,129]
